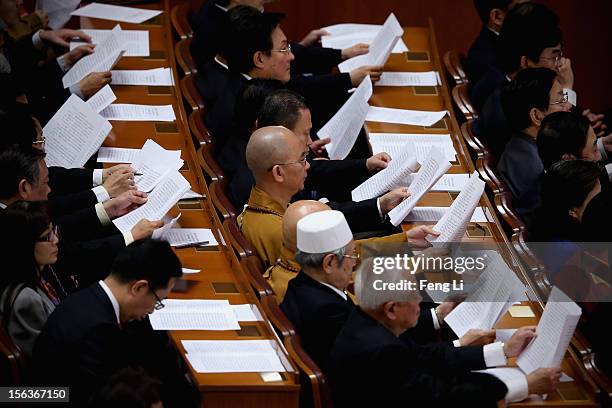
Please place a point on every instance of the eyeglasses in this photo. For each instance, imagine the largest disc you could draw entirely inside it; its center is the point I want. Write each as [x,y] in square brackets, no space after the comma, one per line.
[565,99]
[285,50]
[556,59]
[158,304]
[40,143]
[301,161]
[355,257]
[49,237]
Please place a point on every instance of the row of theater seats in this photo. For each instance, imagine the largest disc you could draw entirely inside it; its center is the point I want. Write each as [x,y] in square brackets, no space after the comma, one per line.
[486,164]
[315,390]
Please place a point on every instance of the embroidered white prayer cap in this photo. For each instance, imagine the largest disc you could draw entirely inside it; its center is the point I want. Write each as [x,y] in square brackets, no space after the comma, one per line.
[322,232]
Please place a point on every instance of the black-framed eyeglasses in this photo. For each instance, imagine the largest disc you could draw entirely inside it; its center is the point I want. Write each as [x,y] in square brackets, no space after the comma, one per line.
[556,59]
[284,50]
[301,161]
[54,233]
[158,302]
[565,99]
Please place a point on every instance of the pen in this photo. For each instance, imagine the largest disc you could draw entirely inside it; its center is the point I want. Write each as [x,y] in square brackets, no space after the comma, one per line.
[192,244]
[138,174]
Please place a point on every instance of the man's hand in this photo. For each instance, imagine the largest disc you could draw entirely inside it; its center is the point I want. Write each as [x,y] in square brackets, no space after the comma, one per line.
[144,228]
[477,337]
[318,147]
[596,120]
[565,73]
[63,36]
[444,309]
[519,340]
[93,82]
[355,50]
[119,182]
[124,203]
[71,57]
[543,380]
[417,236]
[119,167]
[357,75]
[390,200]
[313,37]
[378,162]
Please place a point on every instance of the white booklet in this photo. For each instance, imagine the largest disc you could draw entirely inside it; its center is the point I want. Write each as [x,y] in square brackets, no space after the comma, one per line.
[429,78]
[229,356]
[154,77]
[117,13]
[393,143]
[188,314]
[152,164]
[130,112]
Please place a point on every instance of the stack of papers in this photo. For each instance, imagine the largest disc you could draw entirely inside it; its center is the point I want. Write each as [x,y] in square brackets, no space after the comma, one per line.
[430,78]
[185,236]
[429,214]
[128,112]
[435,166]
[154,163]
[156,76]
[102,99]
[117,155]
[117,13]
[346,35]
[103,59]
[404,116]
[74,134]
[136,41]
[393,143]
[195,315]
[233,356]
[343,128]
[380,48]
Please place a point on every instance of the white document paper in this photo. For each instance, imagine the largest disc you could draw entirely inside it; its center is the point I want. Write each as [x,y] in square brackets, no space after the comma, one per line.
[223,356]
[155,76]
[398,169]
[57,10]
[453,224]
[74,134]
[346,35]
[451,182]
[185,236]
[161,233]
[153,162]
[117,155]
[136,41]
[555,330]
[393,143]
[102,99]
[159,202]
[380,48]
[105,56]
[435,166]
[504,335]
[404,116]
[190,195]
[190,271]
[245,313]
[343,128]
[117,13]
[409,79]
[194,315]
[129,112]
[429,214]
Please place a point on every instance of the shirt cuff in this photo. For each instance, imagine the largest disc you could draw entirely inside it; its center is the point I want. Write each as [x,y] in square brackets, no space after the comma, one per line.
[518,389]
[76,90]
[102,215]
[62,63]
[382,217]
[456,343]
[97,177]
[494,354]
[572,97]
[128,237]
[37,41]
[101,194]
[602,149]
[434,317]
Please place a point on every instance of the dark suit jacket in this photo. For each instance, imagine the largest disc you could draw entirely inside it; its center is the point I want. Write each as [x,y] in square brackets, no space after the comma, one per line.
[482,55]
[370,366]
[208,24]
[490,81]
[491,125]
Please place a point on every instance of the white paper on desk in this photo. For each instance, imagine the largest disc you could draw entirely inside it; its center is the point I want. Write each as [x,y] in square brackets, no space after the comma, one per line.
[154,162]
[400,166]
[117,13]
[161,233]
[160,200]
[340,42]
[343,128]
[435,166]
[117,155]
[153,77]
[184,236]
[57,10]
[429,214]
[404,116]
[224,356]
[244,313]
[228,346]
[429,78]
[74,134]
[504,335]
[380,48]
[555,330]
[190,195]
[129,112]
[102,99]
[393,143]
[194,315]
[454,223]
[105,56]
[136,41]
[190,271]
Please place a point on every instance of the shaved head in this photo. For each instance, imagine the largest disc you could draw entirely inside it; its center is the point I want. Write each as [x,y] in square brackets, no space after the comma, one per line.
[296,212]
[269,146]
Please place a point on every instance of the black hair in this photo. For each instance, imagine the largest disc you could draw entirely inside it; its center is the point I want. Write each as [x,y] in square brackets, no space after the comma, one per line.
[562,133]
[282,108]
[528,29]
[250,31]
[148,259]
[484,7]
[18,126]
[17,163]
[130,387]
[530,89]
[250,102]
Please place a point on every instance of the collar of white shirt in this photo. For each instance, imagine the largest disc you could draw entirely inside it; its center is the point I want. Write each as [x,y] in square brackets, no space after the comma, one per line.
[112,298]
[221,7]
[221,63]
[3,206]
[335,289]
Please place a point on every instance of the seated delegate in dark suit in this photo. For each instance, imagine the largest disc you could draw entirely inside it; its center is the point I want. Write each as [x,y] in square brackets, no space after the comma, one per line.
[534,94]
[88,337]
[372,366]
